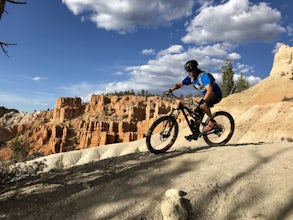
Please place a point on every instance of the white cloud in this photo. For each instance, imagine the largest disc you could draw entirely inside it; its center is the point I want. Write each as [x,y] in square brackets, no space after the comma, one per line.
[77,89]
[171,50]
[118,73]
[277,47]
[37,78]
[157,75]
[217,50]
[234,56]
[33,78]
[243,68]
[252,80]
[205,3]
[148,52]
[290,31]
[11,98]
[28,103]
[125,16]
[234,21]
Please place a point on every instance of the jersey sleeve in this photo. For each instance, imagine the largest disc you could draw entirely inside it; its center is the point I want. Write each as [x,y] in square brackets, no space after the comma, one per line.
[186,81]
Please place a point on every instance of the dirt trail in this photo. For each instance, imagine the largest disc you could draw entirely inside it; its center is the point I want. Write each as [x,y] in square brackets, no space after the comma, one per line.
[241,181]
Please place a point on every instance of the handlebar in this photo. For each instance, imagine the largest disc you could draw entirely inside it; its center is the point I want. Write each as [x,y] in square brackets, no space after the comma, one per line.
[181,100]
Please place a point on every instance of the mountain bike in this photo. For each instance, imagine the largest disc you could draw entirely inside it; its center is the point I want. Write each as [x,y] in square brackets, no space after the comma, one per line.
[163,133]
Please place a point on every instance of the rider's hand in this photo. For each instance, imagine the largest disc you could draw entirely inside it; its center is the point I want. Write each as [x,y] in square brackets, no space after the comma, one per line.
[168,92]
[202,101]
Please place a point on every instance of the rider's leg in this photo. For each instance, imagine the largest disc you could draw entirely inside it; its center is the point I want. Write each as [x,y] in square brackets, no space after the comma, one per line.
[212,123]
[206,107]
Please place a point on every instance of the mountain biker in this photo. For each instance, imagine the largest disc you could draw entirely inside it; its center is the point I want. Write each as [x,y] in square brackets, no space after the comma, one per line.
[205,83]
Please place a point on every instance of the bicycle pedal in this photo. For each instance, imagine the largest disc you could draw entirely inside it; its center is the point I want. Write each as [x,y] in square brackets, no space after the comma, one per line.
[191,137]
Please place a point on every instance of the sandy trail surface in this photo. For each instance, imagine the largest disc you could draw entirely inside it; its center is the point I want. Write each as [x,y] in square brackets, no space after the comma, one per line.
[238,181]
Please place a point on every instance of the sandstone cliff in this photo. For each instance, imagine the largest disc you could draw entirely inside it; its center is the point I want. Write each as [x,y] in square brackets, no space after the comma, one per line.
[74,125]
[283,62]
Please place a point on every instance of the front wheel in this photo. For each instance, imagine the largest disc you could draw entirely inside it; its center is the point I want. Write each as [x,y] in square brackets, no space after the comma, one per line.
[162,134]
[223,132]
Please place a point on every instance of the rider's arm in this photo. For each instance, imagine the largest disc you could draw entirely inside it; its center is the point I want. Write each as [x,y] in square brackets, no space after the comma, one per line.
[208,85]
[176,86]
[209,91]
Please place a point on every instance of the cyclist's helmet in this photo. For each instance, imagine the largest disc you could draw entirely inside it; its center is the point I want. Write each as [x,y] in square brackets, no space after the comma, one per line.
[190,65]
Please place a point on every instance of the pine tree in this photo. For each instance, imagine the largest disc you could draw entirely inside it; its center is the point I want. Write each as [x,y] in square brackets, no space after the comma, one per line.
[142,93]
[241,84]
[227,79]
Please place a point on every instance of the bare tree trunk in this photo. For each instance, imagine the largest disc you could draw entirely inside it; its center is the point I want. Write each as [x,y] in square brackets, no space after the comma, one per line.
[2,7]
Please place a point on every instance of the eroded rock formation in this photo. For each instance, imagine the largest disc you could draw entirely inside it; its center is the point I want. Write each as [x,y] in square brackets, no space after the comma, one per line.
[74,125]
[283,62]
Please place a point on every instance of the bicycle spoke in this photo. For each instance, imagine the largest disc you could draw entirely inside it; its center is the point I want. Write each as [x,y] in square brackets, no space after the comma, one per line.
[223,132]
[162,134]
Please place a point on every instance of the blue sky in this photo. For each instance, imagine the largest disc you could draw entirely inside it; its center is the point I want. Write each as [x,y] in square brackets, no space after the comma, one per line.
[77,48]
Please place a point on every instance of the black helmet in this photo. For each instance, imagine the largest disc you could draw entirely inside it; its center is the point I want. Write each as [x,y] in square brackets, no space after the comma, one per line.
[190,65]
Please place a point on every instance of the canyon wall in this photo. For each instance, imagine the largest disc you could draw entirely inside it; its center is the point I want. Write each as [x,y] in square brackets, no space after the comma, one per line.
[74,125]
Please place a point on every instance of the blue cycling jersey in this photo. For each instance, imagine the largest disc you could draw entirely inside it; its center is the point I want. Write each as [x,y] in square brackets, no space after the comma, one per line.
[205,80]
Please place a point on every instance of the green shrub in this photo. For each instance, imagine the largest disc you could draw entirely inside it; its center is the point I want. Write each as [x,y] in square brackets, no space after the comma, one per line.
[287,99]
[4,110]
[20,149]
[2,143]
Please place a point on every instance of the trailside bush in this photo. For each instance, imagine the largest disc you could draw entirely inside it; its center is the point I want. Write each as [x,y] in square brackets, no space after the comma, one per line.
[20,149]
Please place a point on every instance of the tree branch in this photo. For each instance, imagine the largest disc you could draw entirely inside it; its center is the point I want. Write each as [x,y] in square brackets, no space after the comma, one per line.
[15,2]
[2,44]
[2,9]
[2,5]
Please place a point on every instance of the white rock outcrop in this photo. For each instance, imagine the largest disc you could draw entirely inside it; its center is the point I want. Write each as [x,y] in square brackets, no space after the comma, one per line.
[283,61]
[172,206]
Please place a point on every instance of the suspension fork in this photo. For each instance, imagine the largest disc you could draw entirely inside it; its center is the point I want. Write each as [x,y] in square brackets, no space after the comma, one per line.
[173,114]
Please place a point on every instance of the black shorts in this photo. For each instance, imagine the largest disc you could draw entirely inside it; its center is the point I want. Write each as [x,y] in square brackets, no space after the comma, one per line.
[214,99]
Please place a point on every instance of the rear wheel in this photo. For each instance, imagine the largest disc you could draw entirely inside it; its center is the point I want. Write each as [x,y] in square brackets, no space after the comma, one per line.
[223,132]
[162,134]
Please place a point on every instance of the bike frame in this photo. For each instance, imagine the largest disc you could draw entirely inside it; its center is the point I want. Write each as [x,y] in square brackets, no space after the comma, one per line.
[187,112]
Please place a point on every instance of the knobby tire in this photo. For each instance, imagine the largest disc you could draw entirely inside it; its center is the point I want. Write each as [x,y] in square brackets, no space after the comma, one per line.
[159,140]
[225,131]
